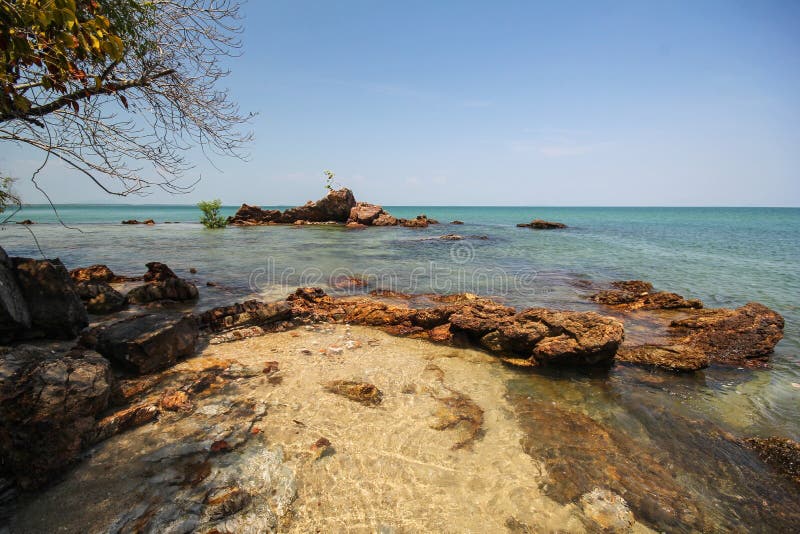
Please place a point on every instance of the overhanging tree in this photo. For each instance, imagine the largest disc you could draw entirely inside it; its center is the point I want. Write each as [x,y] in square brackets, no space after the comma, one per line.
[120,90]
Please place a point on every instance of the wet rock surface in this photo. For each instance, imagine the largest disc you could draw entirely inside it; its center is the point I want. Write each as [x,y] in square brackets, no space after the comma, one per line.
[362,392]
[100,298]
[14,314]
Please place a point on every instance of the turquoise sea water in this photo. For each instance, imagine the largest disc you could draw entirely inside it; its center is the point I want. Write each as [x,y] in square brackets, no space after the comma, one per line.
[724,256]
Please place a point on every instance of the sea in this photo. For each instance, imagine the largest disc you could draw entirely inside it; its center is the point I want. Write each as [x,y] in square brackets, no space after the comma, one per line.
[724,256]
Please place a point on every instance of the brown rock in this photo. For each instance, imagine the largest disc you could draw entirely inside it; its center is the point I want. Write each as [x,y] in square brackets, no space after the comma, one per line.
[361,392]
[48,404]
[176,401]
[158,272]
[147,343]
[226,501]
[26,222]
[636,294]
[364,213]
[451,237]
[669,357]
[456,222]
[732,336]
[123,420]
[321,447]
[459,412]
[336,206]
[421,221]
[385,219]
[176,289]
[355,226]
[253,215]
[94,273]
[539,224]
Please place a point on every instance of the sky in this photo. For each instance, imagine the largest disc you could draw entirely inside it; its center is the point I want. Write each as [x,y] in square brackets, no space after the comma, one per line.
[567,103]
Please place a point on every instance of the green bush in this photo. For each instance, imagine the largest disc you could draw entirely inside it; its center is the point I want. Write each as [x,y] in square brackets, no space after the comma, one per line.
[211,217]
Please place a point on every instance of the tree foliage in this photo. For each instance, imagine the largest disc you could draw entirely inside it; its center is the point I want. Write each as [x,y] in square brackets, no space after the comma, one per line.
[8,197]
[120,90]
[211,217]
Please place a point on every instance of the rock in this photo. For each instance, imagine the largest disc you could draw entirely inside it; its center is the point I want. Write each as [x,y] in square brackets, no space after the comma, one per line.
[321,447]
[451,237]
[123,420]
[176,401]
[421,221]
[636,294]
[158,272]
[149,221]
[782,454]
[14,313]
[608,511]
[226,501]
[171,289]
[192,270]
[55,309]
[253,215]
[364,213]
[749,332]
[249,313]
[348,282]
[461,413]
[355,226]
[361,392]
[26,222]
[385,219]
[48,404]
[94,273]
[539,224]
[147,343]
[134,221]
[669,357]
[100,298]
[335,206]
[456,222]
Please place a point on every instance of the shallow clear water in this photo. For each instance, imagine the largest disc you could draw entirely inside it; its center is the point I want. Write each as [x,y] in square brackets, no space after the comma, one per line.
[724,256]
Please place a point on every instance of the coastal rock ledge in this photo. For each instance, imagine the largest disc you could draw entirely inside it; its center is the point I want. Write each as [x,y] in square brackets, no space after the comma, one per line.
[338,206]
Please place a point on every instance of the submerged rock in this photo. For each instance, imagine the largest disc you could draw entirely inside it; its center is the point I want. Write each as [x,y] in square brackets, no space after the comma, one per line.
[539,224]
[146,343]
[48,404]
[607,510]
[669,357]
[362,392]
[782,454]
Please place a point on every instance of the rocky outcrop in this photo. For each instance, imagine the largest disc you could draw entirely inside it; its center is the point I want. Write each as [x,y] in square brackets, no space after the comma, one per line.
[55,309]
[539,224]
[735,336]
[48,406]
[94,273]
[532,337]
[335,206]
[253,216]
[145,343]
[134,221]
[630,295]
[338,206]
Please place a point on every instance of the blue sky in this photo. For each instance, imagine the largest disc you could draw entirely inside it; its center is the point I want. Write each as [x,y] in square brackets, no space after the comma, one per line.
[507,103]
